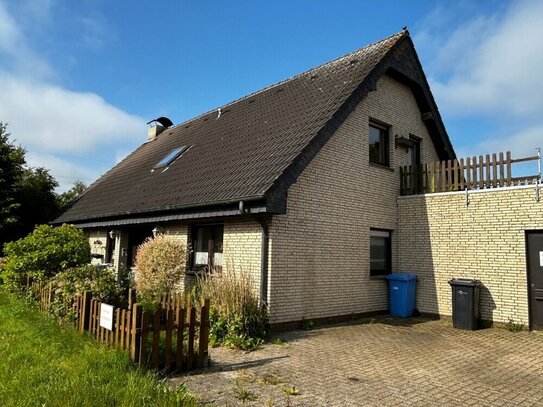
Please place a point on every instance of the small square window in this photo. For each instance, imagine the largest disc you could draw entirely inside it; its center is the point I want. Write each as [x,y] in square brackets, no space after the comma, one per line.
[378,144]
[380,252]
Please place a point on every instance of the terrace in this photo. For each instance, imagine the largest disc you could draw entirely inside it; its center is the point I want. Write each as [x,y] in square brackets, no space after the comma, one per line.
[471,173]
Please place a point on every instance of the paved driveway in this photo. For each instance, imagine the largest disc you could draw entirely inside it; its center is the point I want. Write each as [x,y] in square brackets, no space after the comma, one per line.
[382,362]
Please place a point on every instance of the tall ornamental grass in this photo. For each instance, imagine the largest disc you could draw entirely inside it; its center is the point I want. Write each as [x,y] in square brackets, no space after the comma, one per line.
[238,318]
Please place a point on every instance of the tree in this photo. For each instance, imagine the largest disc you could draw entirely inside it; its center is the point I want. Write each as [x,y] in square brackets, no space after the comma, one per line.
[66,197]
[37,200]
[27,195]
[12,160]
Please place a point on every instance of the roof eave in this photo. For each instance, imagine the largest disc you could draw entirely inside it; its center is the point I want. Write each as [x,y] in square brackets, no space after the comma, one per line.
[254,205]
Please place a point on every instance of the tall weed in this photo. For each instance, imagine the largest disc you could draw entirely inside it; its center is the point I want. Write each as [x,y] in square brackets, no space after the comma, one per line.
[238,318]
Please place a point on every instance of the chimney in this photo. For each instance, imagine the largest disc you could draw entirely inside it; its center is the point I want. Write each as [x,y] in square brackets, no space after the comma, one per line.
[154,131]
[157,126]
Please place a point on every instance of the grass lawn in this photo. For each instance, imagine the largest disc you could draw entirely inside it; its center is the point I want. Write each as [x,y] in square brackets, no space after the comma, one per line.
[45,364]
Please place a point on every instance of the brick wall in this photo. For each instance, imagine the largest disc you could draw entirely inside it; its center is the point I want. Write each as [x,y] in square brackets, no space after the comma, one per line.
[320,247]
[441,238]
[242,248]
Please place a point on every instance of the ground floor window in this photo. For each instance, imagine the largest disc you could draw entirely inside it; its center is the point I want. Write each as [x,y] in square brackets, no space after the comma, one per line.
[380,252]
[207,247]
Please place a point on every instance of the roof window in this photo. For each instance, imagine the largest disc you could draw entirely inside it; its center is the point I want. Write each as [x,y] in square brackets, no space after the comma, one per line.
[171,156]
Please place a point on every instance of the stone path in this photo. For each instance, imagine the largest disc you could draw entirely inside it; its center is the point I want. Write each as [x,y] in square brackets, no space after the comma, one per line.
[379,362]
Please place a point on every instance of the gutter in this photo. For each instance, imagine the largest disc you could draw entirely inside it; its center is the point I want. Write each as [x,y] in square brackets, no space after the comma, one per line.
[264,251]
[160,211]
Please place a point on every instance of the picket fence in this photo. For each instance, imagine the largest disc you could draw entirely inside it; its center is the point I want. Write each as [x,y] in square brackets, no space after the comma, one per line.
[491,171]
[172,339]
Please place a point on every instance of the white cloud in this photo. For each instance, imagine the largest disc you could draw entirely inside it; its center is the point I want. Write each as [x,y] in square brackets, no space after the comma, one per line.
[64,171]
[48,119]
[486,70]
[121,155]
[17,54]
[54,119]
[521,144]
[9,31]
[494,64]
[93,31]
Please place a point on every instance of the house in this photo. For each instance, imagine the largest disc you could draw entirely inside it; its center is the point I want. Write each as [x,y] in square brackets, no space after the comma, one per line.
[298,184]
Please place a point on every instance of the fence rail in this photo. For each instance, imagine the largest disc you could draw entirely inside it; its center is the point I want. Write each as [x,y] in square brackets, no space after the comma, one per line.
[491,171]
[174,338]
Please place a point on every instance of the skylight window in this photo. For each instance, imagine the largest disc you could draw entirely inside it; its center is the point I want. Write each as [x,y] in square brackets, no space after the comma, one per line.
[171,156]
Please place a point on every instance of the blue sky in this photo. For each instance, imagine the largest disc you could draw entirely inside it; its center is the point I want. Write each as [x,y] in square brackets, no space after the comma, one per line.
[80,79]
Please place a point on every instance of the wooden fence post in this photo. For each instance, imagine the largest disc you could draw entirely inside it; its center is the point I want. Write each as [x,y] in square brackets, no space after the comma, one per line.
[204,333]
[143,338]
[461,175]
[502,174]
[155,361]
[131,297]
[192,323]
[136,333]
[508,168]
[85,311]
[50,297]
[180,337]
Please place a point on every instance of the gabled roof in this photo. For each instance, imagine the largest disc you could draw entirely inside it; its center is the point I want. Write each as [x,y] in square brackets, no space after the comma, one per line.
[257,146]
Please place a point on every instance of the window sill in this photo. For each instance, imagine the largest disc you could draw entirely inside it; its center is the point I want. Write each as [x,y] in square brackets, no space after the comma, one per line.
[382,166]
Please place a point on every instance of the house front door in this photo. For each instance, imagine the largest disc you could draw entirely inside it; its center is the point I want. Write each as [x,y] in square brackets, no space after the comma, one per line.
[535,278]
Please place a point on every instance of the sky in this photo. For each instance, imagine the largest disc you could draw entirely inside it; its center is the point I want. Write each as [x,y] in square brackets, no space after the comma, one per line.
[79,80]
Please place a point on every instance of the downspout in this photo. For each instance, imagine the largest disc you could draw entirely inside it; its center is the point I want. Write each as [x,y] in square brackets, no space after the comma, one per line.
[264,251]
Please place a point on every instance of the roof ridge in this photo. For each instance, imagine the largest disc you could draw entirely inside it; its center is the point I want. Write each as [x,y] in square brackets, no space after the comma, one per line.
[282,82]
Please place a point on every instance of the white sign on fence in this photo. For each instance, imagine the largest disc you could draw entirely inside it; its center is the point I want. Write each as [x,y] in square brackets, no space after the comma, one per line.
[106,316]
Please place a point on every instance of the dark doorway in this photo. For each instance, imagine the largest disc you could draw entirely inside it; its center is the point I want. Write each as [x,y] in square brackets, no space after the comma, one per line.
[137,236]
[534,257]
[110,247]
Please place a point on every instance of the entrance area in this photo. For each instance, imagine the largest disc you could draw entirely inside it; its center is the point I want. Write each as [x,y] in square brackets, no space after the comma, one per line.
[534,248]
[137,236]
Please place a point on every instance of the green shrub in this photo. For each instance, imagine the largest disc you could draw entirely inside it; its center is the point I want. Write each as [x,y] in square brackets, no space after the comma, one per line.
[238,319]
[43,253]
[160,266]
[102,281]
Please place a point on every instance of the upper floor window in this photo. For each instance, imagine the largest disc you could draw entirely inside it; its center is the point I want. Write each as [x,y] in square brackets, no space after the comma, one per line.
[207,247]
[378,136]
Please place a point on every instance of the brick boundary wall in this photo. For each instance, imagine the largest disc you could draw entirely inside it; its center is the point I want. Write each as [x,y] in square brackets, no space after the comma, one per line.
[440,238]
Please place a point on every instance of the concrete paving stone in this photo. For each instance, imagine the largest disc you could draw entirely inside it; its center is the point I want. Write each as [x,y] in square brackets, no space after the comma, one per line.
[379,362]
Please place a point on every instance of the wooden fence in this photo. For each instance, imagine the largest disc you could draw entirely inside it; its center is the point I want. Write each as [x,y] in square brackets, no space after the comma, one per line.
[171,339]
[492,171]
[44,295]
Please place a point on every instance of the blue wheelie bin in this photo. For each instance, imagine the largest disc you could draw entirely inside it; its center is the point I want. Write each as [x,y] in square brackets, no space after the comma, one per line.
[402,288]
